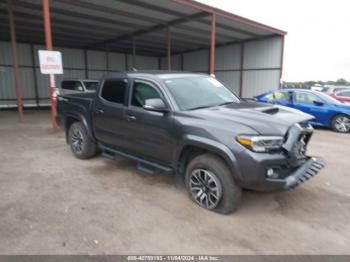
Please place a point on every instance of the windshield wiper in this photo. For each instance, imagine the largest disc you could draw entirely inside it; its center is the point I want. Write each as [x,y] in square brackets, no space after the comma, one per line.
[226,103]
[199,107]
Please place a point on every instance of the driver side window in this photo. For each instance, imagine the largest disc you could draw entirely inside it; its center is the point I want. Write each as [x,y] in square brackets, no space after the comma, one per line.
[305,98]
[141,92]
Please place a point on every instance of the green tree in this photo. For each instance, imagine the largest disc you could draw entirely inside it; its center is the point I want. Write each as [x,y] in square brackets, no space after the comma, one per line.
[341,82]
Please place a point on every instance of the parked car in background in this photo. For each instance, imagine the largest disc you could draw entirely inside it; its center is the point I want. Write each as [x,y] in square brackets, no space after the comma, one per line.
[316,88]
[328,112]
[71,86]
[342,96]
[333,89]
[215,142]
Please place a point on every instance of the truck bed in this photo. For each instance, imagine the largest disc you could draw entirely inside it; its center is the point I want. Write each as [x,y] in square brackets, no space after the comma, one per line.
[77,106]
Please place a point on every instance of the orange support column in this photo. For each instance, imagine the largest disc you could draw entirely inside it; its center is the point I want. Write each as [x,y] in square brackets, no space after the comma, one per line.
[15,61]
[48,41]
[212,45]
[168,51]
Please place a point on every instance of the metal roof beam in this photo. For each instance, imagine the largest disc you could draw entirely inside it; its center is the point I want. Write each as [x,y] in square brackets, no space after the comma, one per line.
[152,29]
[203,47]
[60,21]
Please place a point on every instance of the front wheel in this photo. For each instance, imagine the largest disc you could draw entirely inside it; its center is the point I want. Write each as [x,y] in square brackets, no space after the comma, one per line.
[82,145]
[341,124]
[210,184]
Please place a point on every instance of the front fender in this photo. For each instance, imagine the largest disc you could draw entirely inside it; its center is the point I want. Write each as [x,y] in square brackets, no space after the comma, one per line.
[211,146]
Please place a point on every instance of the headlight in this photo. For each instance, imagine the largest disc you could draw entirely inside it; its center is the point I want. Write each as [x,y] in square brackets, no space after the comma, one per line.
[260,143]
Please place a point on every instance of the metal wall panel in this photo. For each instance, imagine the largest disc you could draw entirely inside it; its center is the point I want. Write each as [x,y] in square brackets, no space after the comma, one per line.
[43,84]
[116,62]
[72,58]
[227,57]
[36,54]
[144,62]
[7,83]
[264,53]
[5,53]
[175,63]
[230,80]
[259,81]
[24,54]
[27,83]
[197,61]
[96,60]
[96,75]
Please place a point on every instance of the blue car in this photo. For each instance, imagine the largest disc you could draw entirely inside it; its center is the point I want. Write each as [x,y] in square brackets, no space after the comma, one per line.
[327,111]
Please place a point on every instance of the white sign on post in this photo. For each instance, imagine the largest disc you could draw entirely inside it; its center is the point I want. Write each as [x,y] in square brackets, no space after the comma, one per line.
[50,62]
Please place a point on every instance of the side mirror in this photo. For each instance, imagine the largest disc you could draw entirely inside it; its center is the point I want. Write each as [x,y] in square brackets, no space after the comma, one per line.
[318,103]
[155,104]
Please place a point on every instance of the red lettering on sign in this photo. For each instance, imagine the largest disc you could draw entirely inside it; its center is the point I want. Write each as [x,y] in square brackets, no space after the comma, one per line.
[50,59]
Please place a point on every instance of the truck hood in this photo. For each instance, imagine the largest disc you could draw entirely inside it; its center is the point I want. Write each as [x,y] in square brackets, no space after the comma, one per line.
[263,118]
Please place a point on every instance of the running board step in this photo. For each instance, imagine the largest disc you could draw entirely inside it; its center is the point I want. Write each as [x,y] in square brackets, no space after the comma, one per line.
[143,165]
[146,168]
[108,154]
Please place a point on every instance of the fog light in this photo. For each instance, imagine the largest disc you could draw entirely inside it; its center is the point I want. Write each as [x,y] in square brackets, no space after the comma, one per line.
[271,173]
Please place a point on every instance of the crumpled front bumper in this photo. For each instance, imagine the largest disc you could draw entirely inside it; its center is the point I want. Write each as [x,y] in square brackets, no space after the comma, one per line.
[303,173]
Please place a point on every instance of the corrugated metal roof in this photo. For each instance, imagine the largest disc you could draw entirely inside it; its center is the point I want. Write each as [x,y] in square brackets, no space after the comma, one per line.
[112,24]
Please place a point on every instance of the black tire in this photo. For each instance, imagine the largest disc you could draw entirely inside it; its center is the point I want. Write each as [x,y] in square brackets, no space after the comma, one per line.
[82,146]
[337,123]
[231,193]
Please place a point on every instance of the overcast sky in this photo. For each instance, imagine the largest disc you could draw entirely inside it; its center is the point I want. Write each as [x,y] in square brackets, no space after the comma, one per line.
[317,46]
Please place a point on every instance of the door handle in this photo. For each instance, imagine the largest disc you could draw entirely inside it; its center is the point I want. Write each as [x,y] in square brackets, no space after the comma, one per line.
[60,98]
[130,117]
[99,111]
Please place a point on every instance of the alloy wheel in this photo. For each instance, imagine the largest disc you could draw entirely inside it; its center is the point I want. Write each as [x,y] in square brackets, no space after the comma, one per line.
[77,140]
[206,188]
[342,124]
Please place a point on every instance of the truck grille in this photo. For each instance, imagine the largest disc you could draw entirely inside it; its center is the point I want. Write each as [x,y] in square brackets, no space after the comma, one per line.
[296,144]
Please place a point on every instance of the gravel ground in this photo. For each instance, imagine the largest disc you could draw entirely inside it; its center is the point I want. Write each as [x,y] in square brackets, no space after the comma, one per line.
[53,203]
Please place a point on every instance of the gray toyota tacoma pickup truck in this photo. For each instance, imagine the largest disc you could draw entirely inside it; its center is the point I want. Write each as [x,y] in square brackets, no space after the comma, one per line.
[191,125]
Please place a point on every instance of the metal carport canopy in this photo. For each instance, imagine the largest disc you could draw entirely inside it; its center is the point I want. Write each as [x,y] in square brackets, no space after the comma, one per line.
[113,24]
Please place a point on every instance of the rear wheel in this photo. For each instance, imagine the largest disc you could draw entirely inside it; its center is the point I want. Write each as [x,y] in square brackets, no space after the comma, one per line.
[82,145]
[210,184]
[341,124]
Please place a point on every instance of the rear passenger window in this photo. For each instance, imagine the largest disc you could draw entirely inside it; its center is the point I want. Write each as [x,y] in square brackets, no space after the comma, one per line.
[114,91]
[72,85]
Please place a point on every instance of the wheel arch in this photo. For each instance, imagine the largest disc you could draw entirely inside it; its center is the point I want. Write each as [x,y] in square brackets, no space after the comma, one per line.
[193,146]
[72,118]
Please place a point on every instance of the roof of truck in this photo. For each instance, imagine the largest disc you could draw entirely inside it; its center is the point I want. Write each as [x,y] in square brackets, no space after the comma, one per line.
[162,74]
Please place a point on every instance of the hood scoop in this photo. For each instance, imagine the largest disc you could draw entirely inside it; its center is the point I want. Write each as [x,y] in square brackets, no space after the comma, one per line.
[268,110]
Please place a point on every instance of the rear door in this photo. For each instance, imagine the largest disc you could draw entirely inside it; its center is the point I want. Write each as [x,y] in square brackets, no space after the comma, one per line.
[108,115]
[313,105]
[150,133]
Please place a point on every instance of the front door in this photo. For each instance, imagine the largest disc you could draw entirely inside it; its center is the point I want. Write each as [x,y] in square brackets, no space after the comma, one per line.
[150,133]
[311,104]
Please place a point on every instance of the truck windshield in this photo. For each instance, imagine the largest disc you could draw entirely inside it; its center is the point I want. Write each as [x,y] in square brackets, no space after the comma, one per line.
[199,92]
